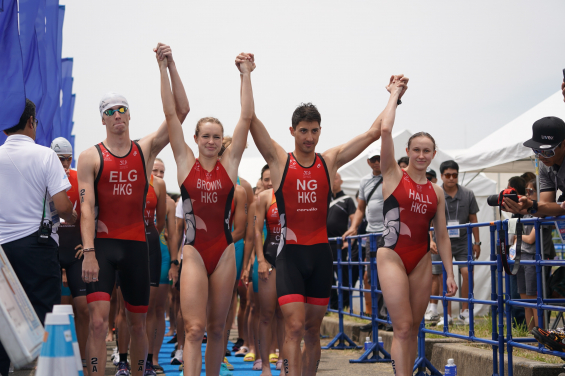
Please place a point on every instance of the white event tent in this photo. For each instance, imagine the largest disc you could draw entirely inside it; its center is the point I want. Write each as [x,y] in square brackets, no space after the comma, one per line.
[502,151]
[482,186]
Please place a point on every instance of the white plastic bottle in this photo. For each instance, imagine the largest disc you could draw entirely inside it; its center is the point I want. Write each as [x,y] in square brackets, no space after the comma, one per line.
[381,343]
[450,368]
[368,343]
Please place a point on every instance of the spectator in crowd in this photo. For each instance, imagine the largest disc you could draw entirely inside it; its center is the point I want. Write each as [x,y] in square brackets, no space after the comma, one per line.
[31,206]
[528,176]
[547,139]
[403,162]
[370,204]
[340,214]
[431,175]
[518,313]
[526,276]
[460,207]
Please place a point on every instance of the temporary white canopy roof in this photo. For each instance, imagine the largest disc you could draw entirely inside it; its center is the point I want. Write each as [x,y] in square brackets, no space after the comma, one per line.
[502,151]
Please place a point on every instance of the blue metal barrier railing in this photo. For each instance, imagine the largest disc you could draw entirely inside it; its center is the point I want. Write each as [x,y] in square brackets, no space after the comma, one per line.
[500,302]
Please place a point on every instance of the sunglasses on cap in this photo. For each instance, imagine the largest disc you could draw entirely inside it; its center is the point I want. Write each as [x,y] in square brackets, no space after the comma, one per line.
[449,175]
[375,158]
[121,110]
[63,158]
[546,153]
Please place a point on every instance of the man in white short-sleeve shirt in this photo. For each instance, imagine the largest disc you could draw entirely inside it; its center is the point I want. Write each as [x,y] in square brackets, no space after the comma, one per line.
[32,175]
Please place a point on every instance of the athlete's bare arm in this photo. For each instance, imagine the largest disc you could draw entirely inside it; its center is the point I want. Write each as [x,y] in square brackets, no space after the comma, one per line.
[248,191]
[392,173]
[356,219]
[261,209]
[184,157]
[249,235]
[172,238]
[442,240]
[240,216]
[232,155]
[161,209]
[152,144]
[64,207]
[272,152]
[87,169]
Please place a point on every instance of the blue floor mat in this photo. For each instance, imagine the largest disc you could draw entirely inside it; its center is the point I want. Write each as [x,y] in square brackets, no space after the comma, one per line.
[241,368]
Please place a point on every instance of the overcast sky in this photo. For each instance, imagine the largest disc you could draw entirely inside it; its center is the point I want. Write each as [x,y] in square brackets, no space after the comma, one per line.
[473,66]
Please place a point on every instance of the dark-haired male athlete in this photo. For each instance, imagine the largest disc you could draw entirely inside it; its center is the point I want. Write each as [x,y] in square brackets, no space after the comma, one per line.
[302,183]
[112,178]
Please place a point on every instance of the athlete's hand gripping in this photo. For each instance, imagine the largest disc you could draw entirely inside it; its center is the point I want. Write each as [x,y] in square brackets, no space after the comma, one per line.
[264,270]
[164,52]
[450,286]
[174,274]
[245,59]
[162,61]
[79,253]
[351,232]
[397,84]
[90,268]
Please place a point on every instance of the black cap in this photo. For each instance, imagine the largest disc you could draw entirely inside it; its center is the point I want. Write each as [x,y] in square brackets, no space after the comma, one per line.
[547,133]
[429,171]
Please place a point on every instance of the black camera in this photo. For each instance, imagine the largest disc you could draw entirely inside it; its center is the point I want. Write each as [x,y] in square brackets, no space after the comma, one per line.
[496,200]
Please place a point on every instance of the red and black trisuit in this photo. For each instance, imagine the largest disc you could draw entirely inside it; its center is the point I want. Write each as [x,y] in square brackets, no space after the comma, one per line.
[207,202]
[273,235]
[152,234]
[69,238]
[408,213]
[304,257]
[120,189]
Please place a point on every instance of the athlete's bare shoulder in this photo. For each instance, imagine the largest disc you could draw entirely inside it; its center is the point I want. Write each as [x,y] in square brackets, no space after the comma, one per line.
[265,197]
[248,189]
[89,160]
[439,192]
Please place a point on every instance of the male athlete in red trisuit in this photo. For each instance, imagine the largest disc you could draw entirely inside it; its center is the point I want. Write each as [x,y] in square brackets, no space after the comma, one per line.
[113,182]
[207,186]
[302,183]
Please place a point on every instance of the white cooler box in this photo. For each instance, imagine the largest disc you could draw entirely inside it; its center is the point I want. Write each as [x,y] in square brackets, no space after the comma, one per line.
[21,331]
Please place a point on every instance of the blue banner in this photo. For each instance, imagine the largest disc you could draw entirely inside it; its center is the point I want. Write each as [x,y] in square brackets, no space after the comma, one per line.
[50,73]
[67,88]
[12,89]
[29,12]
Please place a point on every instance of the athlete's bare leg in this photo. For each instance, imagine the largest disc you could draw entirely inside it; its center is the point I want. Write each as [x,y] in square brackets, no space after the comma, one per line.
[254,323]
[151,322]
[250,309]
[294,322]
[96,343]
[280,330]
[138,347]
[367,295]
[231,316]
[219,282]
[81,323]
[407,299]
[160,308]
[122,324]
[173,309]
[312,350]
[112,316]
[193,301]
[241,314]
[181,335]
[268,297]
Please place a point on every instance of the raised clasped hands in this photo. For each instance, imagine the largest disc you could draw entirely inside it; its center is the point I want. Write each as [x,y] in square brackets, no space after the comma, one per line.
[397,84]
[164,55]
[245,62]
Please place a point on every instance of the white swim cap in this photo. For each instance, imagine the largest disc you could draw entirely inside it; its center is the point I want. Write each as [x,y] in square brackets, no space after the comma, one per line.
[110,100]
[62,146]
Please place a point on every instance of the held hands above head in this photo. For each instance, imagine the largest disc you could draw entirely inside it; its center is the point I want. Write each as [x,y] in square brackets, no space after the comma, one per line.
[245,62]
[398,83]
[164,52]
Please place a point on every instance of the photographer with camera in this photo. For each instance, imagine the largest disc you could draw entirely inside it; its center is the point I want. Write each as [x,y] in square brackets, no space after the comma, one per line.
[33,198]
[547,143]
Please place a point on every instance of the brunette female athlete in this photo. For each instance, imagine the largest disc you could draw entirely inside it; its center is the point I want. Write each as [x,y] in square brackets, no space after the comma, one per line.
[403,258]
[207,187]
